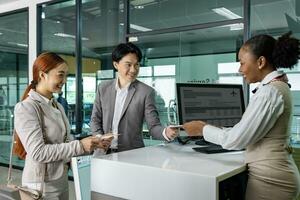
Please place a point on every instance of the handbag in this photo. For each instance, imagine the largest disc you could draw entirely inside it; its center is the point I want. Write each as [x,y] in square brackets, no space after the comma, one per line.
[15,192]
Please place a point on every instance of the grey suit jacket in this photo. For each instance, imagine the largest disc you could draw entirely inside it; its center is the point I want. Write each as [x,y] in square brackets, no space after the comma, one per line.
[139,106]
[34,119]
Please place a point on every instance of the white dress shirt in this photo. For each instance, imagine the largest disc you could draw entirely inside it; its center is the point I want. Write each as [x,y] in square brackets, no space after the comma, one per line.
[52,104]
[264,108]
[119,104]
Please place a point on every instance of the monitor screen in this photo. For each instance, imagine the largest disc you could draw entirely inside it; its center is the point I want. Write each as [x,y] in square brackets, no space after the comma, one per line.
[217,104]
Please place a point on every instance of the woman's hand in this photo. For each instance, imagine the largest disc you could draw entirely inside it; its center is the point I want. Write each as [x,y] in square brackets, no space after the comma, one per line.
[91,143]
[194,128]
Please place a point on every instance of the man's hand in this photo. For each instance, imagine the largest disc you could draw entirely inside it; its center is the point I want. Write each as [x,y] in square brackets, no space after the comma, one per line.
[172,132]
[194,128]
[105,140]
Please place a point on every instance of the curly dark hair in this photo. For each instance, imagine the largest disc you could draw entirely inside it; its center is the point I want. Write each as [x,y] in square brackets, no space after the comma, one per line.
[281,53]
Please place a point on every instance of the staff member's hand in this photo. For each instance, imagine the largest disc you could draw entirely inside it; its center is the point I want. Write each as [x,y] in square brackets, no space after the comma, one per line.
[172,133]
[194,128]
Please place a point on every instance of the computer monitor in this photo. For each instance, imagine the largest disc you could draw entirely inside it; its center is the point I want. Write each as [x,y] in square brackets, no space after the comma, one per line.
[217,104]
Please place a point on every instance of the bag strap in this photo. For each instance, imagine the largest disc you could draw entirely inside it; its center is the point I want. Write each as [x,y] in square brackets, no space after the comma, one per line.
[9,179]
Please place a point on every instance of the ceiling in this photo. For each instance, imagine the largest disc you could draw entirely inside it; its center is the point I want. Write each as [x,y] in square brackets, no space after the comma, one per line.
[103,27]
[7,1]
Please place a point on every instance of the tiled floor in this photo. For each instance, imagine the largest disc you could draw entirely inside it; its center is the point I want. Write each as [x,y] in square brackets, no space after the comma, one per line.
[16,174]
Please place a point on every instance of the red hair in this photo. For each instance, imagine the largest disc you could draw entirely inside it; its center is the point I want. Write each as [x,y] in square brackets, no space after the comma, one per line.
[44,62]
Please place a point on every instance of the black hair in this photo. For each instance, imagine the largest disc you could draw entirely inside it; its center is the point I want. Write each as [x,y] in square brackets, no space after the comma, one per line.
[125,48]
[281,53]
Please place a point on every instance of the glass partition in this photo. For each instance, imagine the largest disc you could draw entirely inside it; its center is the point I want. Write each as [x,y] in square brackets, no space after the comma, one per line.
[154,15]
[277,18]
[13,74]
[198,56]
[58,30]
[101,32]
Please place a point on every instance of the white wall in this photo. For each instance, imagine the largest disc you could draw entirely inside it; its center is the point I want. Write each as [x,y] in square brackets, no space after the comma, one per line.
[31,5]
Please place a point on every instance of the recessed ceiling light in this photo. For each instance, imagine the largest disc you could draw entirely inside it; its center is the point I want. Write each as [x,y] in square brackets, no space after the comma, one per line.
[18,44]
[139,7]
[235,27]
[65,35]
[137,27]
[226,13]
[133,39]
[43,15]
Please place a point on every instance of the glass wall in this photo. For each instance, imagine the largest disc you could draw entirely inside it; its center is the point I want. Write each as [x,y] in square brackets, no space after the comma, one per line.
[182,41]
[196,56]
[155,15]
[58,30]
[101,32]
[283,18]
[13,74]
[193,55]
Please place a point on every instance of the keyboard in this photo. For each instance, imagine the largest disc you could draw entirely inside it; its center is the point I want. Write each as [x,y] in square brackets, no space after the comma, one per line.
[212,148]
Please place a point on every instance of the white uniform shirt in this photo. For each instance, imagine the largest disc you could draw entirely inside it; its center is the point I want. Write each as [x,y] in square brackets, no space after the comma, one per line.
[264,108]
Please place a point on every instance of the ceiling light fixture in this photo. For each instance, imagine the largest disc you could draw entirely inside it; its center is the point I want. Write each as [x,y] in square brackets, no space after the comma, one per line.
[226,13]
[143,3]
[139,7]
[137,27]
[43,15]
[235,27]
[65,35]
[133,39]
[18,44]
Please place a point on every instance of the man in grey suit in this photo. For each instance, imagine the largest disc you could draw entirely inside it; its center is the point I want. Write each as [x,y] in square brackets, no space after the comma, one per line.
[121,105]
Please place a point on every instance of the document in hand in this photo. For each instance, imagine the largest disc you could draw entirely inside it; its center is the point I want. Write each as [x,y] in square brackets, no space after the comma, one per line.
[176,126]
[107,136]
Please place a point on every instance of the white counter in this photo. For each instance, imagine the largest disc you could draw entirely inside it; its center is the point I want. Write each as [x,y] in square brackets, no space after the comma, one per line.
[164,172]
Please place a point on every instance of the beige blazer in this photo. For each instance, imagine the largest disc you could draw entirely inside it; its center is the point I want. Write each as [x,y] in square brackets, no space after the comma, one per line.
[139,106]
[31,125]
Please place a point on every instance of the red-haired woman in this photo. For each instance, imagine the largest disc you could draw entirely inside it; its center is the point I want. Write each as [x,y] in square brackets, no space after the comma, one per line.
[43,128]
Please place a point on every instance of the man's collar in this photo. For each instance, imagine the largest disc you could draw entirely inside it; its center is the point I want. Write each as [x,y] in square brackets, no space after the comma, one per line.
[117,87]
